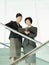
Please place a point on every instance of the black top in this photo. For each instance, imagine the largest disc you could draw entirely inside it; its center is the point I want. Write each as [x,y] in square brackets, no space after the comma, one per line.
[15,26]
[32,30]
[32,34]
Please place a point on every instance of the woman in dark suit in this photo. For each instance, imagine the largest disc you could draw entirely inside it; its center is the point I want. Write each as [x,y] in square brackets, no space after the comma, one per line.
[28,45]
[15,39]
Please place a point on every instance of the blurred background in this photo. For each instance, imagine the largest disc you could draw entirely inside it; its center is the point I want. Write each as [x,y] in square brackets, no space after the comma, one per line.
[37,9]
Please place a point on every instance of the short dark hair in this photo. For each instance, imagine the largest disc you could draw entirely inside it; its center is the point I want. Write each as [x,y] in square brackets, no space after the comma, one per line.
[18,14]
[29,19]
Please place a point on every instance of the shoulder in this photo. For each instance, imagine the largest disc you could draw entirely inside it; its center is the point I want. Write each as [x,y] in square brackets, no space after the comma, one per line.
[33,27]
[13,21]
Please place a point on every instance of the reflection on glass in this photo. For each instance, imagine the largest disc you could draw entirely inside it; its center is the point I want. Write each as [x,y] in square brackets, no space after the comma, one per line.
[42,57]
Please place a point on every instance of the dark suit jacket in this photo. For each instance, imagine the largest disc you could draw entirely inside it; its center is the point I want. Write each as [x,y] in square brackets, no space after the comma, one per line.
[32,30]
[13,25]
[33,34]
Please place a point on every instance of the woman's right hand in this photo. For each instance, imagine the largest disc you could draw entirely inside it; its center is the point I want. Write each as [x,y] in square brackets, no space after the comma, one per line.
[26,32]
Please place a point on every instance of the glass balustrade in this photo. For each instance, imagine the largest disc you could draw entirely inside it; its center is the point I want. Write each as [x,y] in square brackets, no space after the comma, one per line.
[39,54]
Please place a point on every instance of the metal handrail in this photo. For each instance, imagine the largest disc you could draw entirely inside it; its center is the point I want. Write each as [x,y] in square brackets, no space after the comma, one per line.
[4,44]
[19,33]
[29,53]
[8,46]
[22,58]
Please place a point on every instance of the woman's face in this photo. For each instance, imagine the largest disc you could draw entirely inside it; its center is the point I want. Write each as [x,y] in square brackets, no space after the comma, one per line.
[28,22]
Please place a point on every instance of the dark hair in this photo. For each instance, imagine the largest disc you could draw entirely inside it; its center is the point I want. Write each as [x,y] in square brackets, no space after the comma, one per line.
[18,14]
[30,19]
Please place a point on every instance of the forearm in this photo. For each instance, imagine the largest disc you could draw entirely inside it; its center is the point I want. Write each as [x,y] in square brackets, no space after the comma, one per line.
[32,35]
